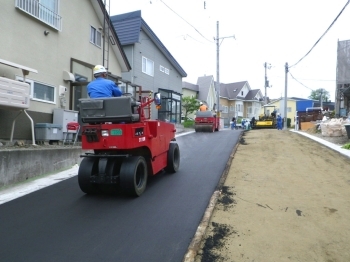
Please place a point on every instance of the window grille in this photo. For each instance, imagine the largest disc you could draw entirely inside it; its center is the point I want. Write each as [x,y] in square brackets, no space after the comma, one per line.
[44,10]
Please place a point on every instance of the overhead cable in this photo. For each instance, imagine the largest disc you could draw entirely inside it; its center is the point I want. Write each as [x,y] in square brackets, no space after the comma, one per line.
[299,81]
[323,34]
[188,22]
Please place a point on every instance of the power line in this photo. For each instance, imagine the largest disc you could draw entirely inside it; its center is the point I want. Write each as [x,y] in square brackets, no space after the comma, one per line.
[188,22]
[194,39]
[318,80]
[299,81]
[323,34]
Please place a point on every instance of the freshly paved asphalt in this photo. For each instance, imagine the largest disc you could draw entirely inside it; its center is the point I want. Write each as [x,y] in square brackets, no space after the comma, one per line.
[61,223]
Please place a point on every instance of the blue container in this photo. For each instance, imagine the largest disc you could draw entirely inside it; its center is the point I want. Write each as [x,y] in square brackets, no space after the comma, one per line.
[302,105]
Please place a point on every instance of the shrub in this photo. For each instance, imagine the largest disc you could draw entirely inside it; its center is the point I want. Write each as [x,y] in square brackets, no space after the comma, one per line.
[188,124]
[346,146]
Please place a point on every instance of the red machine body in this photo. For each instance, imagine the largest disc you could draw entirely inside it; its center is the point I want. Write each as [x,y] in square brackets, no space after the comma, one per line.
[206,121]
[128,146]
[149,138]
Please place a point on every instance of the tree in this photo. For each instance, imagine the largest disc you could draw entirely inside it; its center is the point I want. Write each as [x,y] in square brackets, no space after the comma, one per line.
[189,105]
[318,93]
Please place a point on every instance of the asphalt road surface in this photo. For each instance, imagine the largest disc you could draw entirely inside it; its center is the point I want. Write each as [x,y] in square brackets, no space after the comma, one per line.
[61,223]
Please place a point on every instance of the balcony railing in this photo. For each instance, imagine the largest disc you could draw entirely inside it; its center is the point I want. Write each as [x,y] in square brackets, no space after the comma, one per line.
[37,10]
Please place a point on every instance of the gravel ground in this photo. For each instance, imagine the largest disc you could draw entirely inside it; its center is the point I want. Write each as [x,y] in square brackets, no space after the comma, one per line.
[284,198]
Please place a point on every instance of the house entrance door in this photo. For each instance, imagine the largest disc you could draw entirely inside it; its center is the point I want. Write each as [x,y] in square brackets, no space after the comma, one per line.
[79,91]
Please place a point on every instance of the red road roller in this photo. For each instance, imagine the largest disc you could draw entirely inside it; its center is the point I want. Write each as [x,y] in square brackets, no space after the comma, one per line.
[206,121]
[127,145]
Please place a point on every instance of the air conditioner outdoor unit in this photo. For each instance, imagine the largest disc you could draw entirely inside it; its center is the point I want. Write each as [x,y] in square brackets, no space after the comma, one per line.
[14,93]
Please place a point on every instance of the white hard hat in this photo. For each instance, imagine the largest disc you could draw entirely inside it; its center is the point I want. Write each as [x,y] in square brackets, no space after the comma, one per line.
[201,103]
[99,69]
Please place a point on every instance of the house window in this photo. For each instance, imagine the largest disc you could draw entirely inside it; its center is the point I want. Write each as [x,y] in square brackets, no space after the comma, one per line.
[40,91]
[289,109]
[242,93]
[46,11]
[225,109]
[238,108]
[232,108]
[164,69]
[147,66]
[95,36]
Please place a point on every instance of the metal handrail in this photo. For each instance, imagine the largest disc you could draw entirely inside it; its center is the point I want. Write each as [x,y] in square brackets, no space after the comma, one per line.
[39,11]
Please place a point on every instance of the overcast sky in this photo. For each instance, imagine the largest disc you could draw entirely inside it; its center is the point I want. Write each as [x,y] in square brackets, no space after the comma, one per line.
[272,31]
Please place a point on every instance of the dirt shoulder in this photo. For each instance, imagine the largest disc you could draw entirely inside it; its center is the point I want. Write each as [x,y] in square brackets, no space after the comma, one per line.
[286,198]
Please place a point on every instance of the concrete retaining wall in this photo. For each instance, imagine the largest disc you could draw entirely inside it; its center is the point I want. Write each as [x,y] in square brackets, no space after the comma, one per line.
[18,165]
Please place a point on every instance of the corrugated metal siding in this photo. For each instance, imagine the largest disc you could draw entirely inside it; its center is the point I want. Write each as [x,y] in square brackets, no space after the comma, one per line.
[302,105]
[147,48]
[128,52]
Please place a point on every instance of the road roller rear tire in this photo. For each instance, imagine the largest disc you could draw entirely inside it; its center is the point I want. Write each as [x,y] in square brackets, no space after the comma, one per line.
[133,175]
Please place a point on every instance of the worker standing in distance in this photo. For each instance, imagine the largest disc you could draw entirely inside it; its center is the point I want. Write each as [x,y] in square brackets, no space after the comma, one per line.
[279,122]
[101,86]
[202,107]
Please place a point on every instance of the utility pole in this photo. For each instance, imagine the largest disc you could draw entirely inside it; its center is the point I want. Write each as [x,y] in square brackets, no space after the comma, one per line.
[285,98]
[218,65]
[217,70]
[267,66]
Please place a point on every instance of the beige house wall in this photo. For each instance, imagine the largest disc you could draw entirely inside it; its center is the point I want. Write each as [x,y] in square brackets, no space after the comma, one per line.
[25,43]
[190,93]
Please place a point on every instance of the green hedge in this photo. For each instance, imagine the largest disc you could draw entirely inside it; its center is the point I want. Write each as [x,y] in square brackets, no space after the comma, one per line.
[188,124]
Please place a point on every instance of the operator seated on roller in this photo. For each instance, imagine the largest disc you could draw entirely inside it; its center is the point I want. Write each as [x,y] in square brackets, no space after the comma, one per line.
[273,114]
[101,86]
[202,107]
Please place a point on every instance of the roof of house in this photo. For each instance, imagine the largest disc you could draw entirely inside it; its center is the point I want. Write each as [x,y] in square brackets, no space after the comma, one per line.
[232,90]
[299,99]
[190,86]
[117,48]
[252,94]
[289,98]
[129,26]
